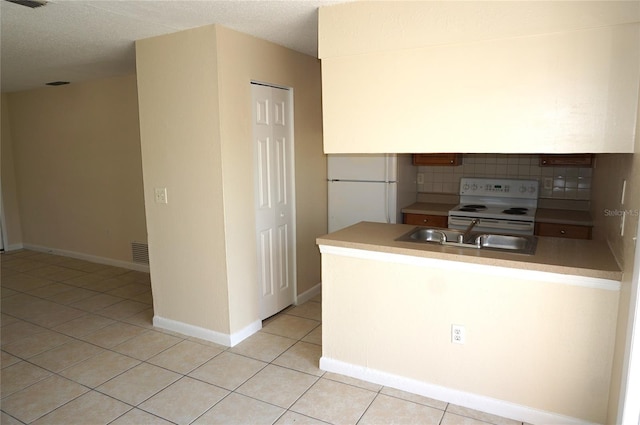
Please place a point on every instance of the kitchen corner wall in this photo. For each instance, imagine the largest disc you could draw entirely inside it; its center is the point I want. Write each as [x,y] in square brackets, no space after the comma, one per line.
[572,183]
[196,136]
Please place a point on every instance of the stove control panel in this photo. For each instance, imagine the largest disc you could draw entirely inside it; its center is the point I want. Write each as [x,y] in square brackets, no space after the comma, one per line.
[503,188]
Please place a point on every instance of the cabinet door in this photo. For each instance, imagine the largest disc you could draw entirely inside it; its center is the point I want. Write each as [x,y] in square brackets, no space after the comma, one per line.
[426,220]
[563,230]
[437,159]
[577,160]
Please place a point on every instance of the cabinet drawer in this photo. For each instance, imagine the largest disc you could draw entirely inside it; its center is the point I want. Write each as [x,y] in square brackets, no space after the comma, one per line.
[437,159]
[426,220]
[563,230]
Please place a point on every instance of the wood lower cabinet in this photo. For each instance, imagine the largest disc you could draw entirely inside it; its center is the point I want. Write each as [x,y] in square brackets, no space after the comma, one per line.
[437,159]
[426,220]
[571,231]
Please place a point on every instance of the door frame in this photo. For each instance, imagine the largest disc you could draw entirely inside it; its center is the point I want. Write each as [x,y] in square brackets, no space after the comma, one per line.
[294,251]
[3,223]
[629,401]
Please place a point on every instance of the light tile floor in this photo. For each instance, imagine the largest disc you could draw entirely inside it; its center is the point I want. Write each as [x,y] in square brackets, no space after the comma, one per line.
[78,347]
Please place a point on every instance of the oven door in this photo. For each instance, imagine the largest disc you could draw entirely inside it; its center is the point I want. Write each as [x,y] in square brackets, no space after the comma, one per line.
[492,225]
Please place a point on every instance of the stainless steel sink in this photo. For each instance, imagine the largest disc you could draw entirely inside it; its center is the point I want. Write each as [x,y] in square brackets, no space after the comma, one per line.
[522,244]
[422,234]
[497,242]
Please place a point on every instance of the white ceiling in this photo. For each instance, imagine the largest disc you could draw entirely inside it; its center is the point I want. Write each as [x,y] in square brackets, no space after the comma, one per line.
[77,40]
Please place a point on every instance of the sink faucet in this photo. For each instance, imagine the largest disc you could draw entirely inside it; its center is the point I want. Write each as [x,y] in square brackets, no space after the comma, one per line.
[463,237]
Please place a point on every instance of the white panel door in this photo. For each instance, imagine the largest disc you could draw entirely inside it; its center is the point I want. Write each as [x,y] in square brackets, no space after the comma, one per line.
[274,197]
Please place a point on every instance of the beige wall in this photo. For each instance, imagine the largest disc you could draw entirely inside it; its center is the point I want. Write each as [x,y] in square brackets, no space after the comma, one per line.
[243,58]
[534,343]
[180,139]
[196,130]
[76,154]
[609,173]
[564,87]
[11,226]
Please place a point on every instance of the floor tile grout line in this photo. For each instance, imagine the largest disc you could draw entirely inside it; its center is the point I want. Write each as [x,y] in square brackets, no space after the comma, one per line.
[72,287]
[146,329]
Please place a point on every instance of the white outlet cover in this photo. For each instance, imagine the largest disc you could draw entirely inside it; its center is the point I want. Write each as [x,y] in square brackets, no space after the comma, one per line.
[458,334]
[160,194]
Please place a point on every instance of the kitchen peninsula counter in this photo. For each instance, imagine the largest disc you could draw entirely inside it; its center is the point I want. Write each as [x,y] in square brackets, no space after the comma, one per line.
[586,258]
[538,332]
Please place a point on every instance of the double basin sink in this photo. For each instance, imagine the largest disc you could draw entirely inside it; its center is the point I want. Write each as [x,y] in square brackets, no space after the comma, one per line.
[491,241]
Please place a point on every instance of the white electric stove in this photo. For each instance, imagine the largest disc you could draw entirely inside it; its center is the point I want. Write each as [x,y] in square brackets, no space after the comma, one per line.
[505,206]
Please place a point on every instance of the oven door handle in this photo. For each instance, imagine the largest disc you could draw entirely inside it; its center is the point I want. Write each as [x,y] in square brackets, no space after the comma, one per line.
[510,223]
[519,223]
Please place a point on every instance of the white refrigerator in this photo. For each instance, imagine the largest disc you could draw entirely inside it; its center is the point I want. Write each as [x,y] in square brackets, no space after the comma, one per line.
[369,188]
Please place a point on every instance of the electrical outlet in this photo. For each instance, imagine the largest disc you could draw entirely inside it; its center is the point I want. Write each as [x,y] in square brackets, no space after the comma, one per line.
[161,195]
[458,334]
[548,183]
[420,178]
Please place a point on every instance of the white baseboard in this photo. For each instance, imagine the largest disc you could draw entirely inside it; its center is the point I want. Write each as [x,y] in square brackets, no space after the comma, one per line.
[228,340]
[88,257]
[308,294]
[237,337]
[461,398]
[14,247]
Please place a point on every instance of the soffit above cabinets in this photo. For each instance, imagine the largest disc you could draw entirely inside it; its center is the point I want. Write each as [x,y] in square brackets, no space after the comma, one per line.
[365,27]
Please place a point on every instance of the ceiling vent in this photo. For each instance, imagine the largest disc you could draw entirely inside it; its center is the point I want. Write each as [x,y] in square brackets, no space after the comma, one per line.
[29,3]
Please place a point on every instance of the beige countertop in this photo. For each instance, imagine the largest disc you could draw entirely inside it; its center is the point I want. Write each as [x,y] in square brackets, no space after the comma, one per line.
[543,215]
[428,208]
[575,257]
[547,215]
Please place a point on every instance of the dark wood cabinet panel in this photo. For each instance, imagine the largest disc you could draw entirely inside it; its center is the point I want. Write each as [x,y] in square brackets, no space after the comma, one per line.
[426,220]
[570,231]
[437,159]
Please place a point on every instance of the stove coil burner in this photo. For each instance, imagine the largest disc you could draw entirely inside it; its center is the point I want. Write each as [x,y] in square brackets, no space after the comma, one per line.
[516,211]
[472,208]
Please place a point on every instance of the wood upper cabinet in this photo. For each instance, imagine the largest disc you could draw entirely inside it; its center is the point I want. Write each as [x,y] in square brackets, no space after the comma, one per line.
[437,159]
[426,220]
[577,160]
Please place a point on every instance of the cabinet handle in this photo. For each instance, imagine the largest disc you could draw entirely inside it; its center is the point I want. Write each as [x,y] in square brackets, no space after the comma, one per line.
[562,232]
[426,220]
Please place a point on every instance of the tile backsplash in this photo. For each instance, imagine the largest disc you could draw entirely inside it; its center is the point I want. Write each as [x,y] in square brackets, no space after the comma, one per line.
[562,182]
